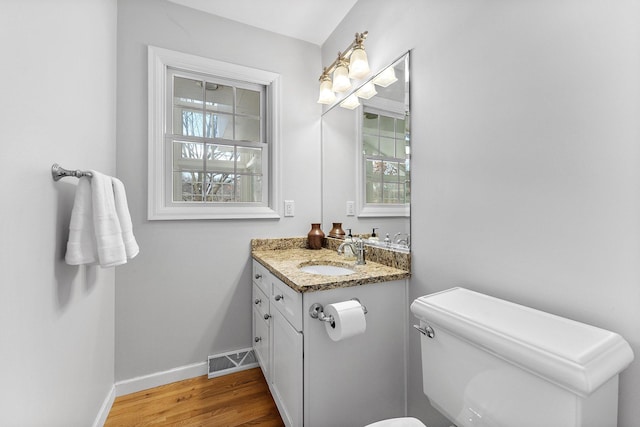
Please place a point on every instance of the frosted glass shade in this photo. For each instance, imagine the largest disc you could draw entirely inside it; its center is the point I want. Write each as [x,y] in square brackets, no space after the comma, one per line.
[341,80]
[385,78]
[358,65]
[326,95]
[367,91]
[350,102]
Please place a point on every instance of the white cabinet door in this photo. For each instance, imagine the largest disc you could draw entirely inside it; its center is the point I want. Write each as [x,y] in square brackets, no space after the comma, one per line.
[286,369]
[261,341]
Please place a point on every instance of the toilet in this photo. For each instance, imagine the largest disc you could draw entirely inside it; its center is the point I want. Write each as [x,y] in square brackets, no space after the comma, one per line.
[487,362]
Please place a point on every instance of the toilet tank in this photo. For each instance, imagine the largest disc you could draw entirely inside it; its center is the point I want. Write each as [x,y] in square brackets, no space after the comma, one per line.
[493,363]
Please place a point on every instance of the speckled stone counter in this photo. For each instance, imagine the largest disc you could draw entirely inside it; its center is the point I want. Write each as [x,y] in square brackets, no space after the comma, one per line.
[283,257]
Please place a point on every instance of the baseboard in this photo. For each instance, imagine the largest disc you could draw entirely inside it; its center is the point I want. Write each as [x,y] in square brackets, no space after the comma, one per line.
[160,378]
[101,418]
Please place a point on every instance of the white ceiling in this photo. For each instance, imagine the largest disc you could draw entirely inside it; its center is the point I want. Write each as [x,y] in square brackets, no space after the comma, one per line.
[309,20]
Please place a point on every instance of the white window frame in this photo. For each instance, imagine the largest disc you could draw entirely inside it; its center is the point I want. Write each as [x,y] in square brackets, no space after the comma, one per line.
[376,210]
[160,205]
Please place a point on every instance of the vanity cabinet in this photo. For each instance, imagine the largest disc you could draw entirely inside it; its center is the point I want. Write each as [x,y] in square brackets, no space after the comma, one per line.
[318,382]
[278,341]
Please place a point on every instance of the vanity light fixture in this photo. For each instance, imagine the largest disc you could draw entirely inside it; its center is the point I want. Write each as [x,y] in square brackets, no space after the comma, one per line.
[352,64]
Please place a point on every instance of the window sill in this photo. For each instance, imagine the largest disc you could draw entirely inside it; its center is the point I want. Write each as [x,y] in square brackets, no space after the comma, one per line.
[385,211]
[226,212]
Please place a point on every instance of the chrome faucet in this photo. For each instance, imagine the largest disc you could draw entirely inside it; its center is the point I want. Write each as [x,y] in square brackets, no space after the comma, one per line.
[357,248]
[403,239]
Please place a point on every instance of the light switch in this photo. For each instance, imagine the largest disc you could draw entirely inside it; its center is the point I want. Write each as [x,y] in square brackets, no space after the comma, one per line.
[351,208]
[289,208]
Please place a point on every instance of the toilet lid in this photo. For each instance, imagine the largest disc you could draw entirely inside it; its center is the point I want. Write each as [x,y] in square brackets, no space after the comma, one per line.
[398,422]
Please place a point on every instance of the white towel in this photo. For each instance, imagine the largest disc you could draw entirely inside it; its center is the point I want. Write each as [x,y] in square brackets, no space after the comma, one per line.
[82,247]
[100,231]
[111,250]
[122,209]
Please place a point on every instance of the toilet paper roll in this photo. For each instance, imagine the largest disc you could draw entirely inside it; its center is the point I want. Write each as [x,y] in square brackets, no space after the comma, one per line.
[348,319]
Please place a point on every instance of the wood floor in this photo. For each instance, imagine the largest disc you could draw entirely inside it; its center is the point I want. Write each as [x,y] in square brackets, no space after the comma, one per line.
[238,399]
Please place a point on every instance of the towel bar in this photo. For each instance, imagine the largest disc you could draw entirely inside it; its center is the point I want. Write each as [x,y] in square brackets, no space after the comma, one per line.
[58,172]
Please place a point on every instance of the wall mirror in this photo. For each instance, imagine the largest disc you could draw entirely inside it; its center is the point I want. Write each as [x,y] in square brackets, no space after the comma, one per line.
[366,151]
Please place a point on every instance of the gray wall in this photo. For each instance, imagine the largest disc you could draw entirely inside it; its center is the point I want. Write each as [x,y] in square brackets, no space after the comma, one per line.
[188,294]
[58,83]
[526,156]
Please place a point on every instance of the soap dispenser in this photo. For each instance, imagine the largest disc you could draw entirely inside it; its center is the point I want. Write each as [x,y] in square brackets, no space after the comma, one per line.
[374,237]
[387,240]
[348,249]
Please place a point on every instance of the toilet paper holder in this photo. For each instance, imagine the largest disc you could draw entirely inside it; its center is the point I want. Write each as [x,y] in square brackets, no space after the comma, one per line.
[316,311]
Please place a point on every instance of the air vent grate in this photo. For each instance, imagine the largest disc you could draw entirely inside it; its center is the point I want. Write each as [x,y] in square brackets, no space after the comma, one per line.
[233,361]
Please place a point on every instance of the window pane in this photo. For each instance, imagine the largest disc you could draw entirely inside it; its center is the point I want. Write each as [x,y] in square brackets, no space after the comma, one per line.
[390,171]
[370,145]
[387,147]
[249,160]
[187,122]
[400,149]
[247,129]
[187,156]
[248,188]
[221,158]
[248,102]
[374,170]
[402,172]
[387,126]
[400,129]
[219,126]
[187,92]
[374,192]
[391,193]
[187,97]
[187,186]
[220,187]
[219,97]
[370,123]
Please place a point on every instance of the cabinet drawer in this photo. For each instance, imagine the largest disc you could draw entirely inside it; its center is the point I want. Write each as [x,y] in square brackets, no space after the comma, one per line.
[261,277]
[288,302]
[261,302]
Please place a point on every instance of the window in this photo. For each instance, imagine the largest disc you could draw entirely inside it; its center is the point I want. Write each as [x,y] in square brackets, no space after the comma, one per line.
[212,139]
[385,184]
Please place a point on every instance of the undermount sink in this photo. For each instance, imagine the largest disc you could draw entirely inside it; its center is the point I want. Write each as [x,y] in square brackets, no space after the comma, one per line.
[326,270]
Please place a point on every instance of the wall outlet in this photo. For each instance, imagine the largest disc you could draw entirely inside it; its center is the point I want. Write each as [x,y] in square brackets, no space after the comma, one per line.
[289,208]
[351,208]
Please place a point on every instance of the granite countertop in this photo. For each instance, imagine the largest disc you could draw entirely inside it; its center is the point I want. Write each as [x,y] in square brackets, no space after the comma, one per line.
[283,259]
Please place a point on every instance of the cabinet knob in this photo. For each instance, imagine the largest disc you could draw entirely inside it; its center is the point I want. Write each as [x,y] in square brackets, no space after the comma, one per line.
[257,339]
[267,316]
[258,301]
[279,297]
[258,276]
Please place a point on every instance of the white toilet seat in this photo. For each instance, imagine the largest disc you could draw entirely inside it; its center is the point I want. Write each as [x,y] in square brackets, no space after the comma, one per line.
[398,422]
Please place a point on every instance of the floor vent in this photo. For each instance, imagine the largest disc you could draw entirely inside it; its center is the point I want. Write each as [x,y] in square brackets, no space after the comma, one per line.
[234,361]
